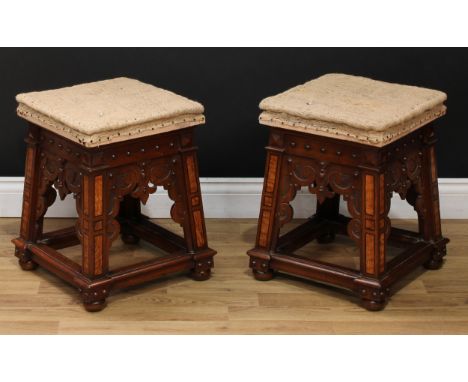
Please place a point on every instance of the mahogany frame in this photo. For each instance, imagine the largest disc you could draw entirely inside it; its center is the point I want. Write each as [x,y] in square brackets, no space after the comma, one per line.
[108,183]
[366,177]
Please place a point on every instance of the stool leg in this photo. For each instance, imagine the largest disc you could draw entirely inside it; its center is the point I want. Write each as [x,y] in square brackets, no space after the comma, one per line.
[374,233]
[30,227]
[430,221]
[93,219]
[194,221]
[130,208]
[268,222]
[327,210]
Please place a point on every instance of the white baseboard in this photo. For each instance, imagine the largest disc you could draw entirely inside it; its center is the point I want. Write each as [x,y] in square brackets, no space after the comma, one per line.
[239,198]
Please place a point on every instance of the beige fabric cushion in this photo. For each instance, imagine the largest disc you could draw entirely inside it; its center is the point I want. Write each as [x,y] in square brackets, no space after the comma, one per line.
[353,108]
[103,112]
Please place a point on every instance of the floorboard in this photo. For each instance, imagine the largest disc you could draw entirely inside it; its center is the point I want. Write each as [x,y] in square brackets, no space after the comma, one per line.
[232,302]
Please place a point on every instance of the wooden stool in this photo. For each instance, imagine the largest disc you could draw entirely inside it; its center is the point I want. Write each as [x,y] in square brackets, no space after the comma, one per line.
[110,144]
[361,139]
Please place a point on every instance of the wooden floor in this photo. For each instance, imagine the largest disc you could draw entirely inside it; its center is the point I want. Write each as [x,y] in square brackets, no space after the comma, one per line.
[232,302]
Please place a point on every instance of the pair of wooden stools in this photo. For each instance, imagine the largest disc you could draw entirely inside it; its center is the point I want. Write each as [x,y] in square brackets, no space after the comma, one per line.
[112,143]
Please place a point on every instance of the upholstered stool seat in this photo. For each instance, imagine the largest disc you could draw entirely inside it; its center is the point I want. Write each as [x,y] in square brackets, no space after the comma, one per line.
[353,108]
[104,112]
[362,140]
[111,144]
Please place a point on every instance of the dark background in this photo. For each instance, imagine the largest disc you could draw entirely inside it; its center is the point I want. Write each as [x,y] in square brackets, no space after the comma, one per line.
[230,82]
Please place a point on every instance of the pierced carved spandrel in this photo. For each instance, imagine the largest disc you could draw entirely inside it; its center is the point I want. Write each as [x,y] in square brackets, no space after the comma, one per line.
[325,181]
[403,175]
[321,178]
[71,179]
[151,175]
[405,169]
[164,175]
[48,174]
[64,176]
[142,179]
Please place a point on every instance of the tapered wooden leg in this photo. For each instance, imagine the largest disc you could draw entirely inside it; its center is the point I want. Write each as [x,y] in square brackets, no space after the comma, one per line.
[268,222]
[130,208]
[194,221]
[374,233]
[430,221]
[30,227]
[328,210]
[94,236]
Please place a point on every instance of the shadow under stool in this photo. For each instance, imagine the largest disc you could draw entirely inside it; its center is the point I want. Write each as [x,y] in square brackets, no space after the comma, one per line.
[363,140]
[111,144]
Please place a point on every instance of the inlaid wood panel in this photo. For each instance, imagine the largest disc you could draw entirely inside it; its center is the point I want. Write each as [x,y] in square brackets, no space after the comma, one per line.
[86,244]
[91,222]
[192,174]
[264,228]
[98,195]
[98,254]
[370,194]
[370,248]
[271,173]
[199,231]
[374,245]
[190,186]
[268,227]
[382,251]
[382,194]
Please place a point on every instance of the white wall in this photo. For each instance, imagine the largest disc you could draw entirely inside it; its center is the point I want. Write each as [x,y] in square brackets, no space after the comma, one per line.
[239,198]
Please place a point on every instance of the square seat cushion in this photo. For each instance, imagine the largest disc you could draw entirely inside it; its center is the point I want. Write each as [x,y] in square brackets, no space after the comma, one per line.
[353,108]
[108,111]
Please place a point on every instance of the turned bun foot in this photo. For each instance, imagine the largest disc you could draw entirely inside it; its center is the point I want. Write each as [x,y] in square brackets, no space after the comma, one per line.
[94,300]
[261,269]
[373,305]
[24,260]
[325,238]
[263,276]
[27,265]
[201,275]
[434,263]
[95,306]
[437,259]
[129,238]
[374,299]
[202,269]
